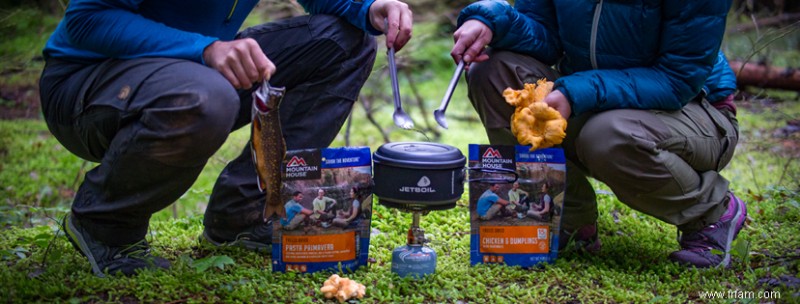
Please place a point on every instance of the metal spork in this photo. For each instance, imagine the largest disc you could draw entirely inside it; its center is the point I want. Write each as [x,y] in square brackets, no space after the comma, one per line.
[401,118]
[439,113]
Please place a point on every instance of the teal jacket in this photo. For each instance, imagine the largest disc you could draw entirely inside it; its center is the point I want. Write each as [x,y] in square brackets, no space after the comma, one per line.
[97,29]
[617,54]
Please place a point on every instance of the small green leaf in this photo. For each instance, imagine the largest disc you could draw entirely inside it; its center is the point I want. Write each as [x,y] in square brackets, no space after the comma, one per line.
[218,261]
[19,252]
[221,261]
[740,248]
[42,239]
[202,265]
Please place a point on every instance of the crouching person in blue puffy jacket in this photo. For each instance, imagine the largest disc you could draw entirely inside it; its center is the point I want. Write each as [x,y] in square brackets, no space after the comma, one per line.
[648,97]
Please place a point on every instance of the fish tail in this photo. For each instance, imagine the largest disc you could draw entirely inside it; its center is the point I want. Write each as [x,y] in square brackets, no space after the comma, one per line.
[270,211]
[274,209]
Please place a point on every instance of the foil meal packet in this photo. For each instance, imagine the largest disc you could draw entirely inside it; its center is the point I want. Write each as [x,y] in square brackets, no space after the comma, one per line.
[516,199]
[328,202]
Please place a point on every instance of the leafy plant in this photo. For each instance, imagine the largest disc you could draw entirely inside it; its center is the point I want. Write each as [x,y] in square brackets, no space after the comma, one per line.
[218,261]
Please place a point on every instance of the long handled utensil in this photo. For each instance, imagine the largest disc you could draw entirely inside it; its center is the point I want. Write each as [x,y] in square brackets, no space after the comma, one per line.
[439,113]
[401,118]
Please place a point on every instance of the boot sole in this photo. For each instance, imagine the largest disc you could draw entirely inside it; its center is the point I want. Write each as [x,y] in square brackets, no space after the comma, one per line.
[740,212]
[79,243]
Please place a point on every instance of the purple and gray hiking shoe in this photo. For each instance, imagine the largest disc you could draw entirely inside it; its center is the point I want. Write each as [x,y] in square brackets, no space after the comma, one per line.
[697,246]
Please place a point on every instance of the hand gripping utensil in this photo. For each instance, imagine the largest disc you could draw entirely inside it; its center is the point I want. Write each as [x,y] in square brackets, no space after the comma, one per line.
[439,113]
[401,118]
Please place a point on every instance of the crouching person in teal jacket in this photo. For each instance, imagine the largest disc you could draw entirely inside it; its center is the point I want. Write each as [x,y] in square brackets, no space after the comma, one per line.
[150,89]
[648,97]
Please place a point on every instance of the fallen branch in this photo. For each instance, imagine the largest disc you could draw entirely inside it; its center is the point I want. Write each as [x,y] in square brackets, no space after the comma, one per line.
[765,76]
[764,22]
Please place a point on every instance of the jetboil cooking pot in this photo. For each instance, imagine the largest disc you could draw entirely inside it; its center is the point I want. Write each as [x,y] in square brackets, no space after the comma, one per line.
[418,176]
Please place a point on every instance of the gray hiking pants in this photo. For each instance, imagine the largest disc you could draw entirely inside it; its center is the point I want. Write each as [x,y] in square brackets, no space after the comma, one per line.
[663,163]
[152,123]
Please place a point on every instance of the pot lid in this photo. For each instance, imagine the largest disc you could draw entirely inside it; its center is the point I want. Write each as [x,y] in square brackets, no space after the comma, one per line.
[420,155]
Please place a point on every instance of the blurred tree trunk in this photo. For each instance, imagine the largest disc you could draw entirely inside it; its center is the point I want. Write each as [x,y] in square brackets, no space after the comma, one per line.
[764,76]
[781,19]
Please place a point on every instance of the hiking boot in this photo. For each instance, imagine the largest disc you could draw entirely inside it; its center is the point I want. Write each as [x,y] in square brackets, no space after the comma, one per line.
[697,246]
[110,259]
[258,239]
[584,239]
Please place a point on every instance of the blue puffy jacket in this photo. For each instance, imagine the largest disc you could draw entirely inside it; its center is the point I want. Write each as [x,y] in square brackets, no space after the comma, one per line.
[615,54]
[98,29]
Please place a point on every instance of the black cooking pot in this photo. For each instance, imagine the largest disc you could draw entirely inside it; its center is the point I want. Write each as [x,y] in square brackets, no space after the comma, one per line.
[418,175]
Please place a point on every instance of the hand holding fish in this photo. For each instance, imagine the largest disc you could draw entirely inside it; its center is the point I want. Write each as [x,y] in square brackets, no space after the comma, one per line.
[241,61]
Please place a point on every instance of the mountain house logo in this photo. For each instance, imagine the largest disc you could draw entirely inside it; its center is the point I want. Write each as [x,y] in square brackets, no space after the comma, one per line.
[493,158]
[423,186]
[298,168]
[296,162]
[492,153]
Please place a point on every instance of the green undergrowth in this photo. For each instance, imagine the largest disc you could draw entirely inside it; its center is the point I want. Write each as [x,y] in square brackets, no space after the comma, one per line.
[632,266]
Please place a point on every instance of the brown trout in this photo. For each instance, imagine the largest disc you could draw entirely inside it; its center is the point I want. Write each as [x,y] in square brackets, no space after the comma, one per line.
[268,147]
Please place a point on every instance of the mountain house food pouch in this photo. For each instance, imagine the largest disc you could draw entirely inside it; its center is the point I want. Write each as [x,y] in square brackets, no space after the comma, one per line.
[515,202]
[327,195]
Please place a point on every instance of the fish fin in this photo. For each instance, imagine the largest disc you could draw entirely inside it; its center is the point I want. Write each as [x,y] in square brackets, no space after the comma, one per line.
[261,184]
[255,142]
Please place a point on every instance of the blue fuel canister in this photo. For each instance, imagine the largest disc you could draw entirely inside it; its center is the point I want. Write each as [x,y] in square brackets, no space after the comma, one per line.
[413,260]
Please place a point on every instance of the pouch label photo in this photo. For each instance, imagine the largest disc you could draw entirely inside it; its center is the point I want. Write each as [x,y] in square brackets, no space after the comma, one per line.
[516,200]
[327,195]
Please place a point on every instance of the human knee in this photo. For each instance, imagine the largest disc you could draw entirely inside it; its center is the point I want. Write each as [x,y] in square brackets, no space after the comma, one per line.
[620,149]
[604,144]
[218,105]
[193,122]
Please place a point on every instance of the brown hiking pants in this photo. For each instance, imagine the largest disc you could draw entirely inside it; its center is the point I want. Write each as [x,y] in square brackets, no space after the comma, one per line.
[663,163]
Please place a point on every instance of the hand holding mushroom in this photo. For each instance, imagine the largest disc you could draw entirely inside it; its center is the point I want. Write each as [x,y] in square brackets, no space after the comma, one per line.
[534,122]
